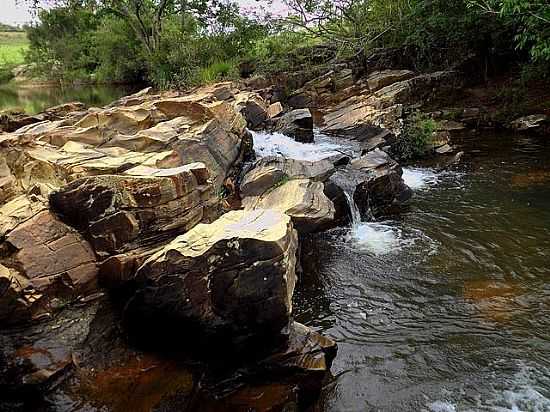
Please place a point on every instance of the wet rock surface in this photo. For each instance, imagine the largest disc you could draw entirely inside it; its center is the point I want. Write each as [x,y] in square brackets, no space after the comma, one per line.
[297,124]
[382,187]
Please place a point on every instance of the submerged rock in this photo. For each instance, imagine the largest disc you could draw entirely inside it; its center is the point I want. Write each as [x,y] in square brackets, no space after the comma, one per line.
[226,282]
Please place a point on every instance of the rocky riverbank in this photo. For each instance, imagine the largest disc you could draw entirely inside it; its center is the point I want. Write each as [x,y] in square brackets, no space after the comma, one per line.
[144,247]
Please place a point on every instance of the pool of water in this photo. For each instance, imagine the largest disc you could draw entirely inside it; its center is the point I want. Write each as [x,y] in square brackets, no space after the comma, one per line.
[447,307]
[34,99]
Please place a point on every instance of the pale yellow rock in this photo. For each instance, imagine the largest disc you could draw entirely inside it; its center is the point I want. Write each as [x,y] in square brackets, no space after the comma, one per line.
[301,199]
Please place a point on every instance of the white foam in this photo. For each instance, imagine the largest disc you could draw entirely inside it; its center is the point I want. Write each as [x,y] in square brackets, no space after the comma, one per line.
[523,392]
[377,238]
[441,406]
[417,178]
[277,144]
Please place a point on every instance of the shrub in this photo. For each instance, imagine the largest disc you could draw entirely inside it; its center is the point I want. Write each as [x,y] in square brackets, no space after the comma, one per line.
[417,135]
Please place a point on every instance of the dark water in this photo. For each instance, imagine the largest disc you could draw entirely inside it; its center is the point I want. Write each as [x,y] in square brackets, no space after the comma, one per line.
[448,307]
[35,99]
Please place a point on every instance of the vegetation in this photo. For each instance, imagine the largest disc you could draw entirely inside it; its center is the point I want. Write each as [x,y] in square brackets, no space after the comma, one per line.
[13,45]
[185,42]
[417,137]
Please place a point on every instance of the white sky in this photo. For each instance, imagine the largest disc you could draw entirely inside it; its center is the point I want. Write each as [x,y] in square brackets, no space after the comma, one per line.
[16,12]
[12,12]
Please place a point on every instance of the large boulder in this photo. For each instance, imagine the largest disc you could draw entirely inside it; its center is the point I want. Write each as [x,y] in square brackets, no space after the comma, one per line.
[122,212]
[297,124]
[223,283]
[382,187]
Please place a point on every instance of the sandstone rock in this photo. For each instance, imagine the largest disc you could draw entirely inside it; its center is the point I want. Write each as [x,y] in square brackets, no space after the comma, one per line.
[48,262]
[119,213]
[380,79]
[274,110]
[225,282]
[302,99]
[253,108]
[269,171]
[537,123]
[306,352]
[303,200]
[297,124]
[383,187]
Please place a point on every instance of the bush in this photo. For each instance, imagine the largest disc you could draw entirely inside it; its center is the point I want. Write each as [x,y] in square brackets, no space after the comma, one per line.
[417,135]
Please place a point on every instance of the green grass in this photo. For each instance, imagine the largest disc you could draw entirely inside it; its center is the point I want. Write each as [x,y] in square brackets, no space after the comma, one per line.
[12,48]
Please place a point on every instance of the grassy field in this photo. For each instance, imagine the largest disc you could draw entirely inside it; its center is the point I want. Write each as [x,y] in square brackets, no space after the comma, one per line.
[12,48]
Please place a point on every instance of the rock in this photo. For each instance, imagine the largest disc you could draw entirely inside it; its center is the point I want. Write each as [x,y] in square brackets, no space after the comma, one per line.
[294,187]
[253,108]
[536,123]
[306,352]
[267,172]
[358,119]
[445,149]
[380,79]
[303,200]
[450,126]
[119,213]
[38,358]
[225,283]
[45,263]
[274,110]
[297,124]
[63,110]
[383,187]
[302,99]
[11,121]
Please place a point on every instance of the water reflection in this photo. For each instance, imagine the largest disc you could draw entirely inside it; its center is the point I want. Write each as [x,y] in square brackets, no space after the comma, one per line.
[34,99]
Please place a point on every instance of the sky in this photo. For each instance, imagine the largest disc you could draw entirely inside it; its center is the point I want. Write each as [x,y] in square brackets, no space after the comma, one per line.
[16,12]
[12,12]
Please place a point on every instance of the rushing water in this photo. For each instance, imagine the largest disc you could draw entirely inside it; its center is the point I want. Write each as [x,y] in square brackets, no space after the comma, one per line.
[447,308]
[34,99]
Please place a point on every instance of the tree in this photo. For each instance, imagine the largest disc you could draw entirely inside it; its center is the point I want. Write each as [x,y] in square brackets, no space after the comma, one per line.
[145,17]
[532,18]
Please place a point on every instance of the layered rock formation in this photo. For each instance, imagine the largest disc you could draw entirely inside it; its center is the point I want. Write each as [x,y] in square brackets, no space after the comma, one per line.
[293,187]
[381,187]
[127,199]
[226,281]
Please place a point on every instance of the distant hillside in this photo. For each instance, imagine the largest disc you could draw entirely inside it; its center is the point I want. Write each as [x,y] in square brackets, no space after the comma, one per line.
[7,27]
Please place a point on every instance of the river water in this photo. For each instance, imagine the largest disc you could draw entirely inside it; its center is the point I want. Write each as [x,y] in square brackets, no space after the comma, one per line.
[33,99]
[445,308]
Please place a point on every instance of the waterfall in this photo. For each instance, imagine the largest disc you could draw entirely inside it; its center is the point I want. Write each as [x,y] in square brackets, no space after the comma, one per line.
[354,210]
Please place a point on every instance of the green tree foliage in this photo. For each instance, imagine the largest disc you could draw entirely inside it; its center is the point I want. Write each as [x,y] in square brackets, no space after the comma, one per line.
[531,19]
[163,42]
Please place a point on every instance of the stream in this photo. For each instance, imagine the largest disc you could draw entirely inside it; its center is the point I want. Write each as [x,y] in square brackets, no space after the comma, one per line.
[445,308]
